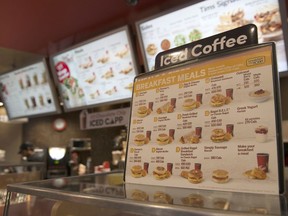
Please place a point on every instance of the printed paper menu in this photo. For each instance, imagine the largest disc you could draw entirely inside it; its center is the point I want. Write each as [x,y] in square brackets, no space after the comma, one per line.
[208,125]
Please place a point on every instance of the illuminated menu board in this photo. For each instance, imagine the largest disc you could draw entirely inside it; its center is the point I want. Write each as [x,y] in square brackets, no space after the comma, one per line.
[28,91]
[207,18]
[96,72]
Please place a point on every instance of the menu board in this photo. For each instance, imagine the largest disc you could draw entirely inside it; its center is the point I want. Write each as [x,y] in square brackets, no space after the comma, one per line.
[208,125]
[28,92]
[99,71]
[206,18]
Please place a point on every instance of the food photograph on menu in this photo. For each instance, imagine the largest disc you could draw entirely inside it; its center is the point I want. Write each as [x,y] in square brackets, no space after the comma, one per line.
[28,91]
[206,18]
[205,125]
[98,71]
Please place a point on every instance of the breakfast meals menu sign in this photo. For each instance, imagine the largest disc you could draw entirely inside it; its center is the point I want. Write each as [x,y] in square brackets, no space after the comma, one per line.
[208,125]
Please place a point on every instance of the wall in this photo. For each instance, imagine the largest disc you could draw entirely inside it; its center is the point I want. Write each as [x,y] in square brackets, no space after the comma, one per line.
[10,139]
[40,132]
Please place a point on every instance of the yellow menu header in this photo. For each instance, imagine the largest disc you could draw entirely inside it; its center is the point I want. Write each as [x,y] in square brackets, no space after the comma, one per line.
[243,61]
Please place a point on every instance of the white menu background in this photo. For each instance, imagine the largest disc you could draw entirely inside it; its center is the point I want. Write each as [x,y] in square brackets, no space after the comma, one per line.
[99,71]
[27,92]
[245,73]
[208,18]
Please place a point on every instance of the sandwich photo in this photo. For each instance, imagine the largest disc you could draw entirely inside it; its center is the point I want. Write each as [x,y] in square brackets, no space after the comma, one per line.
[161,173]
[195,176]
[220,176]
[219,100]
[140,139]
[143,111]
[190,104]
[219,135]
[190,138]
[164,139]
[138,172]
[165,108]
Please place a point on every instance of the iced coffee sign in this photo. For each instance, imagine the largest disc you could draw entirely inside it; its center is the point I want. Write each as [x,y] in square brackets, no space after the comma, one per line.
[208,125]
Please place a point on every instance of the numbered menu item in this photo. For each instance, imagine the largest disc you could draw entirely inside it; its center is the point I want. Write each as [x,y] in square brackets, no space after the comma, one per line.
[188,24]
[27,91]
[200,126]
[98,71]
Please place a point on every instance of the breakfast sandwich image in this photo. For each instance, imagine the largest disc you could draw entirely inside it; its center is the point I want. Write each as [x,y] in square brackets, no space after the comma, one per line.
[143,111]
[220,176]
[160,173]
[219,135]
[141,139]
[194,176]
[219,100]
[190,138]
[164,139]
[165,108]
[138,172]
[190,104]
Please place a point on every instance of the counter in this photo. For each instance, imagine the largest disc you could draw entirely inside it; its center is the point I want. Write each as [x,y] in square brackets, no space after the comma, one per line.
[11,172]
[105,194]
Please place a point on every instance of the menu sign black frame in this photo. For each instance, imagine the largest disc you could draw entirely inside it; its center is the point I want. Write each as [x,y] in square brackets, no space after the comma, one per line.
[204,124]
[28,91]
[201,19]
[99,71]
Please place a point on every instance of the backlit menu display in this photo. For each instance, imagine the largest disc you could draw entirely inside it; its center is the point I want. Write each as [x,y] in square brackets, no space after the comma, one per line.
[98,71]
[27,91]
[207,18]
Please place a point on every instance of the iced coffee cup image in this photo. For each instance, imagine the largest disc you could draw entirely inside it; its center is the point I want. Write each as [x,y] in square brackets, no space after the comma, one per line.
[229,93]
[261,133]
[263,161]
